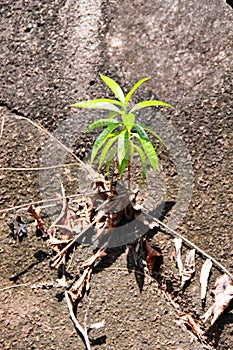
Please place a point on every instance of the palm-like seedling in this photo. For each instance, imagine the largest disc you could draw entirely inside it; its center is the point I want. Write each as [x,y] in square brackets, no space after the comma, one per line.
[122,136]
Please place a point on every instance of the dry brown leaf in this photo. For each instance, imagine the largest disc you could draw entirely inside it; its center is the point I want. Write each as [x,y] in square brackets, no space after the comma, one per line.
[189,268]
[188,320]
[223,294]
[66,223]
[177,254]
[88,279]
[204,276]
[40,222]
[152,256]
[77,290]
[84,282]
[90,261]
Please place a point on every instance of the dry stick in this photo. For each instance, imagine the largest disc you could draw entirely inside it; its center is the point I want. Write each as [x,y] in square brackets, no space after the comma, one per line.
[26,205]
[64,207]
[76,323]
[76,237]
[2,126]
[68,300]
[40,168]
[41,128]
[86,313]
[74,240]
[16,286]
[189,243]
[50,135]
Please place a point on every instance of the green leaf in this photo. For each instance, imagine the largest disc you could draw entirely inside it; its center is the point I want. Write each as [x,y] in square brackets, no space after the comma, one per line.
[112,115]
[121,146]
[143,161]
[147,145]
[124,164]
[110,158]
[116,102]
[101,139]
[150,103]
[116,89]
[106,149]
[136,86]
[128,120]
[102,122]
[123,151]
[147,128]
[96,104]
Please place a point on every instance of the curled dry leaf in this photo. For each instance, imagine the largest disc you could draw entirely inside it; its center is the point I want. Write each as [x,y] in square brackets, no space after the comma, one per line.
[152,256]
[38,219]
[76,291]
[79,287]
[188,320]
[205,272]
[223,294]
[189,268]
[90,261]
[177,254]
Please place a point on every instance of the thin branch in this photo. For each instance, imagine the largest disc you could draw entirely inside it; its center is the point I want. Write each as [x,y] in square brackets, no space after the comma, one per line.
[40,168]
[86,313]
[41,128]
[76,323]
[189,243]
[2,126]
[64,208]
[76,237]
[15,286]
[26,205]
[73,241]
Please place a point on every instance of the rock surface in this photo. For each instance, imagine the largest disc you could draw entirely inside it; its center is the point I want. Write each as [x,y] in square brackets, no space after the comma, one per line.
[51,55]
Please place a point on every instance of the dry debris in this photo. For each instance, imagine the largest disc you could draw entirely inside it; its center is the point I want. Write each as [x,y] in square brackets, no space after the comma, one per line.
[18,228]
[189,321]
[204,276]
[177,254]
[99,214]
[152,256]
[223,294]
[40,223]
[189,268]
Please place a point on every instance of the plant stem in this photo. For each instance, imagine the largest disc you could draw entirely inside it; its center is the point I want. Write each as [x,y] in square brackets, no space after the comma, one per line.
[129,175]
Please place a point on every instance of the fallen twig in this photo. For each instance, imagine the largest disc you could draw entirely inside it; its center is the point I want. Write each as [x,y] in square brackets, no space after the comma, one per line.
[39,168]
[64,208]
[77,325]
[25,206]
[41,128]
[190,244]
[2,126]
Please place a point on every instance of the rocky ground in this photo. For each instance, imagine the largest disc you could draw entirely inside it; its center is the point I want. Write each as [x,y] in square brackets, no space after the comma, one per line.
[51,55]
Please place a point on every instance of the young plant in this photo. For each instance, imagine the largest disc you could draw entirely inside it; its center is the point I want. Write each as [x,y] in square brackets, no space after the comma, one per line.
[122,136]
